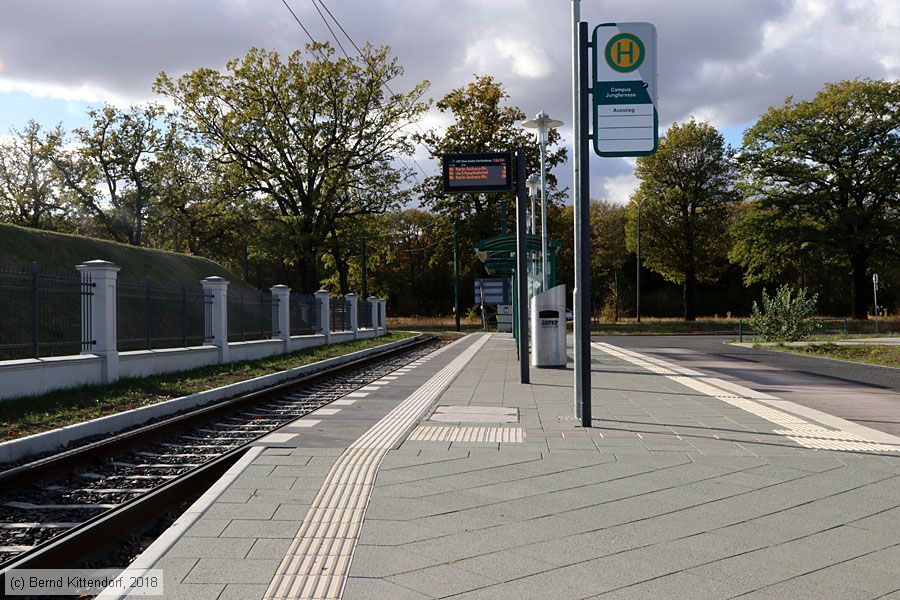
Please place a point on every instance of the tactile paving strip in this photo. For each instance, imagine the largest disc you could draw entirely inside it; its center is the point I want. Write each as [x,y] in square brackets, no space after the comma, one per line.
[318,560]
[802,432]
[431,433]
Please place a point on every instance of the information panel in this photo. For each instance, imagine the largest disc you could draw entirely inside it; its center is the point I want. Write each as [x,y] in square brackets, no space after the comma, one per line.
[474,173]
[626,122]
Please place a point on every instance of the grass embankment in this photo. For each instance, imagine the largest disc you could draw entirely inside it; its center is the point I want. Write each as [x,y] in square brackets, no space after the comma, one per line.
[26,416]
[872,354]
[20,246]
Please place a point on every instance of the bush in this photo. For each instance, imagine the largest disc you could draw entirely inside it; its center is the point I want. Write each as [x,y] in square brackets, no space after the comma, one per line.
[783,318]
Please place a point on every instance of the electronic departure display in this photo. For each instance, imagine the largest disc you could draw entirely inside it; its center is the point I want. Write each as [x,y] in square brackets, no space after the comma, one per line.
[474,173]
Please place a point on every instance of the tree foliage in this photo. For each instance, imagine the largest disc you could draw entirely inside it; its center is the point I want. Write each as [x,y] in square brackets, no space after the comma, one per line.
[687,195]
[30,191]
[113,170]
[310,139]
[824,179]
[784,318]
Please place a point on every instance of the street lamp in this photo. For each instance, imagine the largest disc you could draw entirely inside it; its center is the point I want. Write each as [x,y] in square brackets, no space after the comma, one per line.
[533,182]
[638,302]
[543,123]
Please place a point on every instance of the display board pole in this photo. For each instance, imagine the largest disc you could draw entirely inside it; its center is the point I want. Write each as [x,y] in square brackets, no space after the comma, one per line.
[456,272]
[583,244]
[521,272]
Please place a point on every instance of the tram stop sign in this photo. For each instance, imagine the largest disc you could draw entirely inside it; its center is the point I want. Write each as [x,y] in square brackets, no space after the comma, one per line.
[626,122]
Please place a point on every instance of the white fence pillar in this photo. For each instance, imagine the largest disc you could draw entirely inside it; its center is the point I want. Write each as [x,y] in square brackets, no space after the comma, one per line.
[373,311]
[354,314]
[101,312]
[324,315]
[281,314]
[383,304]
[217,325]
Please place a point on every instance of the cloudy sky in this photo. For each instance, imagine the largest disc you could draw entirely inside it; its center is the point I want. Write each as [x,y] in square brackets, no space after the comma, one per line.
[725,61]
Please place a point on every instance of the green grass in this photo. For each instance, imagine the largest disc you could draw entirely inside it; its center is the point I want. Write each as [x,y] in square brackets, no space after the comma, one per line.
[20,246]
[872,354]
[26,416]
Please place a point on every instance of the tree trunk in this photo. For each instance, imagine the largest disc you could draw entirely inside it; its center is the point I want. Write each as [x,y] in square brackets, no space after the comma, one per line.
[859,292]
[690,297]
[308,275]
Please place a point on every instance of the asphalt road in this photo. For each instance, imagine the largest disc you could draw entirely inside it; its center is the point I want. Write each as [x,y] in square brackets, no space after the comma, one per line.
[866,394]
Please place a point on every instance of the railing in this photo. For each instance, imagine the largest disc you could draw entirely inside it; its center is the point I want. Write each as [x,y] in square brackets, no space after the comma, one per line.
[364,312]
[250,314]
[339,314]
[160,315]
[304,314]
[43,312]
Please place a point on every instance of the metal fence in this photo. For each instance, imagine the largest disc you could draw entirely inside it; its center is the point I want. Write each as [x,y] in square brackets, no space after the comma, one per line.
[364,314]
[250,314]
[160,315]
[304,314]
[339,314]
[43,311]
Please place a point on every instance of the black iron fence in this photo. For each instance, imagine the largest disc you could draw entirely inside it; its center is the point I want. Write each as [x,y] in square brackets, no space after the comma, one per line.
[339,314]
[364,314]
[304,314]
[250,314]
[160,315]
[43,311]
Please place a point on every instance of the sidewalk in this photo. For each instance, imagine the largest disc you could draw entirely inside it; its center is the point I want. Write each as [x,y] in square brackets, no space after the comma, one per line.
[687,487]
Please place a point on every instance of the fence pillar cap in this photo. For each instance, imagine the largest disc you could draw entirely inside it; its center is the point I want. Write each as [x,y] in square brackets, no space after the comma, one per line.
[280,288]
[214,279]
[322,293]
[350,295]
[98,265]
[372,298]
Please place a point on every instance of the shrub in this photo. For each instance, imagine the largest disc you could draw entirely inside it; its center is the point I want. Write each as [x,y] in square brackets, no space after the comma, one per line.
[784,318]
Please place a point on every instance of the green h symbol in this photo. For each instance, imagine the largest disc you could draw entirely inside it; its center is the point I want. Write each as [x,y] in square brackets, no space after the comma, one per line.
[620,51]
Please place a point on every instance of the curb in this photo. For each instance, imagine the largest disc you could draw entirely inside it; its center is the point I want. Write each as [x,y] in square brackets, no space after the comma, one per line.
[55,439]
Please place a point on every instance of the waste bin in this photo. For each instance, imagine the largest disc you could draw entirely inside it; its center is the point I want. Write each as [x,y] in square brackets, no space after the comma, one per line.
[548,328]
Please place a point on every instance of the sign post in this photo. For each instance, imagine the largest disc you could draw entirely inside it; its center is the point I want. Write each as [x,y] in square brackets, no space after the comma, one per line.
[626,123]
[482,172]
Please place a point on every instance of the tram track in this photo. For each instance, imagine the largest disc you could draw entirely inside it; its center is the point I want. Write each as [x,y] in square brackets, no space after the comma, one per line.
[58,509]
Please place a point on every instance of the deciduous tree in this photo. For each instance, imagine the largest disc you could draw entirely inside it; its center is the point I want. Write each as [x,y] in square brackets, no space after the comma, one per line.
[687,196]
[825,175]
[311,138]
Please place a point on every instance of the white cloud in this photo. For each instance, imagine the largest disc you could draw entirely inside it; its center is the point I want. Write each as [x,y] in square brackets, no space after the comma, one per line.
[528,60]
[84,92]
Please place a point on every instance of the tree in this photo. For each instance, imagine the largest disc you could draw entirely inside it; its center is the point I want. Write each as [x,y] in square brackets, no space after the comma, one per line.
[482,122]
[29,188]
[608,254]
[687,196]
[825,174]
[113,172]
[310,139]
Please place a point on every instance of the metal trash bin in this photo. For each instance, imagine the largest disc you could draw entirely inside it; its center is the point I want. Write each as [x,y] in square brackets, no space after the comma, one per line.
[548,328]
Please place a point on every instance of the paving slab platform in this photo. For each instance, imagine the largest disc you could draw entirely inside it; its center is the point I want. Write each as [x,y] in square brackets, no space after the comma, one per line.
[687,486]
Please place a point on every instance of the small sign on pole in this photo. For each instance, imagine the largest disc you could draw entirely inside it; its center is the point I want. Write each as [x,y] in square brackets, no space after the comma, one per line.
[626,122]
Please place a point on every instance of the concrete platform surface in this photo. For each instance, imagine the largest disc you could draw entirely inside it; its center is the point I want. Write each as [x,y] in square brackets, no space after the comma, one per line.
[687,486]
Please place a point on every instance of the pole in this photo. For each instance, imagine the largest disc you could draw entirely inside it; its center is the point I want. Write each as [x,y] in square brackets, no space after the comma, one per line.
[638,301]
[362,261]
[576,187]
[875,293]
[582,243]
[521,275]
[456,272]
[532,193]
[545,264]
